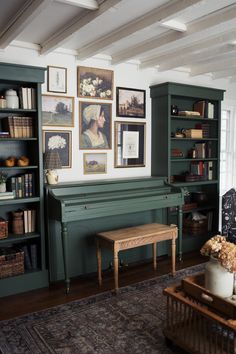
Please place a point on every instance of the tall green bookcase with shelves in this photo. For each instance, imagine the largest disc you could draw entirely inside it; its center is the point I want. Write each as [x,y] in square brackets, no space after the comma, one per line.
[15,77]
[173,157]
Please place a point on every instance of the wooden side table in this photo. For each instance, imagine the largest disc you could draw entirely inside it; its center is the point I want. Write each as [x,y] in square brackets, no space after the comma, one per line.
[123,239]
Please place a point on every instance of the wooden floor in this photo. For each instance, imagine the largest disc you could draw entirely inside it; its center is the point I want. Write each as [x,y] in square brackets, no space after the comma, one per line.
[13,306]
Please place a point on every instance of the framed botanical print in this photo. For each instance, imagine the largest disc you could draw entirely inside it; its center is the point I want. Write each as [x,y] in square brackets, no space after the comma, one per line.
[60,141]
[58,111]
[57,79]
[95,83]
[129,144]
[95,125]
[95,163]
[130,102]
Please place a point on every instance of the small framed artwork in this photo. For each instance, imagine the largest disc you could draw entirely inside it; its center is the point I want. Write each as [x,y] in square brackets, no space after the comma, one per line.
[59,140]
[95,83]
[129,144]
[57,79]
[57,111]
[95,125]
[130,102]
[95,163]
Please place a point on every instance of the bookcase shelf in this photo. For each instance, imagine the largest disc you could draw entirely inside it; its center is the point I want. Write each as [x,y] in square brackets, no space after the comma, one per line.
[194,160]
[25,138]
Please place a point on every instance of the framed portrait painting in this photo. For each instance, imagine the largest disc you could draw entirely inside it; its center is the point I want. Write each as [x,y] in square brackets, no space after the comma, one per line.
[130,102]
[95,83]
[58,111]
[57,79]
[129,144]
[95,163]
[60,141]
[95,125]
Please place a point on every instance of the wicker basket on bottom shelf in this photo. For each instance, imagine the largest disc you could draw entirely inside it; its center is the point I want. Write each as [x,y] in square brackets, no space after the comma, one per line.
[11,262]
[193,227]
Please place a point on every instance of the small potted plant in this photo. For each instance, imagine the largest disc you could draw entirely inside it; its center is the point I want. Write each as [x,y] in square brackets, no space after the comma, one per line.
[3,179]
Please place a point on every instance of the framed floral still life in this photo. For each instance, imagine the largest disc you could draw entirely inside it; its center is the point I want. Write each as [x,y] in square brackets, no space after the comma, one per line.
[95,83]
[58,111]
[57,79]
[59,140]
[130,102]
[95,163]
[129,144]
[95,125]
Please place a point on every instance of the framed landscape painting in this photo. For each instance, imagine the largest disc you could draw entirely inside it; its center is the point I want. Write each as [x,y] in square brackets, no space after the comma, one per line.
[60,141]
[95,83]
[95,163]
[130,102]
[57,111]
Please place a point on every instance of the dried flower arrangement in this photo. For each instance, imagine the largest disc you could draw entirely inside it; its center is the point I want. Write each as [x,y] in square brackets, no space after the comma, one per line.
[222,250]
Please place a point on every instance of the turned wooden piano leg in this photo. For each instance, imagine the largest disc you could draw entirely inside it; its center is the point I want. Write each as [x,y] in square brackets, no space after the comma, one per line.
[64,236]
[99,262]
[116,268]
[154,252]
[173,252]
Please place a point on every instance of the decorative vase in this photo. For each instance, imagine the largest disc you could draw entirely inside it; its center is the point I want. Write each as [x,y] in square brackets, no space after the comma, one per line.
[218,280]
[3,187]
[17,222]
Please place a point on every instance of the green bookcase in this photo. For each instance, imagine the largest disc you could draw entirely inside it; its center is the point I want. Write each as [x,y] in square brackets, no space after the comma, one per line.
[15,77]
[175,156]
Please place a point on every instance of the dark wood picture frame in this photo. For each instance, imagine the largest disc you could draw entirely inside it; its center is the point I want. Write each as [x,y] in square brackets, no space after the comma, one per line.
[56,79]
[62,143]
[130,102]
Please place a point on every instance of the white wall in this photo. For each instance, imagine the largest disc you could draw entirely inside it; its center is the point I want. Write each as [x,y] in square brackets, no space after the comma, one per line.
[126,75]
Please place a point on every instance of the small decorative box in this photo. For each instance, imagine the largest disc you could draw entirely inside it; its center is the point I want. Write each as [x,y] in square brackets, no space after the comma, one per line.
[3,228]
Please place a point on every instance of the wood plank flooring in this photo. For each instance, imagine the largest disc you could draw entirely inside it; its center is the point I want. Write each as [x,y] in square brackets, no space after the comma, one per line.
[84,286]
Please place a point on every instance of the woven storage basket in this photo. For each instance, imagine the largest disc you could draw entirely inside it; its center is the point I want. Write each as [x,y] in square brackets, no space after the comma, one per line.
[11,262]
[3,228]
[193,227]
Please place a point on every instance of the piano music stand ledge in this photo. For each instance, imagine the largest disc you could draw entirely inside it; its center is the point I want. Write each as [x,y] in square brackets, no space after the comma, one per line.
[123,239]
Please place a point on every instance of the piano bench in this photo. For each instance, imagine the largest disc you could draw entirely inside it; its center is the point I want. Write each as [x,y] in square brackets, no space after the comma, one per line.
[131,237]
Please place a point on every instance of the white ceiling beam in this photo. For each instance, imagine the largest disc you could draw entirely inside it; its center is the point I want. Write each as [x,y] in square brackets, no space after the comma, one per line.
[174,25]
[205,68]
[224,73]
[27,13]
[86,4]
[212,20]
[186,59]
[160,14]
[171,57]
[233,79]
[60,37]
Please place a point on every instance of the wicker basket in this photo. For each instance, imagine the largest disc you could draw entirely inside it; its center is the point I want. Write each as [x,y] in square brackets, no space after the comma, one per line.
[3,228]
[11,262]
[192,227]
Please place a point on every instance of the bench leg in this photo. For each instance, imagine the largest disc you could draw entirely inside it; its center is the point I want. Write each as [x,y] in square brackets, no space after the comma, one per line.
[99,263]
[154,252]
[173,250]
[116,267]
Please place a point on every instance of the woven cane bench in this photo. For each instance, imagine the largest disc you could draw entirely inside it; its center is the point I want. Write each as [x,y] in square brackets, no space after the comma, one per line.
[123,239]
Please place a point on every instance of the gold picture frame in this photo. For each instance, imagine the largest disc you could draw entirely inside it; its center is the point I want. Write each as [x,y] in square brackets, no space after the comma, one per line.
[95,163]
[57,111]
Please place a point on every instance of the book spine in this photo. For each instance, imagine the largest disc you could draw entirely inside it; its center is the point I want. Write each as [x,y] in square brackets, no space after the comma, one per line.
[25,214]
[34,257]
[27,260]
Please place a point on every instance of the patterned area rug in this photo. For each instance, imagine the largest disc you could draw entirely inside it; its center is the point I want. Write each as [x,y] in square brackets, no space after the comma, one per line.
[130,322]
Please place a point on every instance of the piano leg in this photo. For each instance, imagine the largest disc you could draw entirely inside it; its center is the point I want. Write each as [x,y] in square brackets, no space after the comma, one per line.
[64,236]
[99,262]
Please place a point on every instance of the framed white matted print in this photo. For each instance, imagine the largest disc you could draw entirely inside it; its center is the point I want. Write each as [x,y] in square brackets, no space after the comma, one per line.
[57,79]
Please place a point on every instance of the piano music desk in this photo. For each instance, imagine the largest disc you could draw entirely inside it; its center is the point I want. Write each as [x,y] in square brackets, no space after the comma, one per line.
[126,238]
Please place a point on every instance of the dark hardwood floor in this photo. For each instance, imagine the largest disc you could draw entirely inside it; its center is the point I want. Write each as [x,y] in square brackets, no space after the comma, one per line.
[84,286]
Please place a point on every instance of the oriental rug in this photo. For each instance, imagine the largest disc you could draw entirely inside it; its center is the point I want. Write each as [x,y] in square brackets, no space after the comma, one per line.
[128,323]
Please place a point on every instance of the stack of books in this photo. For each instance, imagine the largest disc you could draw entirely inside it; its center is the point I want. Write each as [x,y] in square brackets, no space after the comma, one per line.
[29,216]
[205,108]
[27,98]
[6,195]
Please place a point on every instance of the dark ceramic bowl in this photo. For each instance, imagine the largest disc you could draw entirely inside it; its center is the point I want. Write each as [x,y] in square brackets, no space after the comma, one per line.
[199,197]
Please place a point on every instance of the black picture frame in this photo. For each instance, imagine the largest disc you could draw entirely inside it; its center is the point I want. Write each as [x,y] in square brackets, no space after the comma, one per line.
[130,144]
[130,102]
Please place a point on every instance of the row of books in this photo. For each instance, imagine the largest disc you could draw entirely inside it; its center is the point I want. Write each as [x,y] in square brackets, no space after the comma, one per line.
[22,186]
[27,98]
[18,127]
[205,108]
[29,220]
[201,168]
[203,150]
[30,256]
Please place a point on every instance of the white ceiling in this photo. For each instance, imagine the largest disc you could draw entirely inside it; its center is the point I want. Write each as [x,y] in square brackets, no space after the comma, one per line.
[200,35]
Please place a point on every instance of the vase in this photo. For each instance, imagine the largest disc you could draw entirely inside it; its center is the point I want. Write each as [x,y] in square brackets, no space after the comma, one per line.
[3,187]
[218,280]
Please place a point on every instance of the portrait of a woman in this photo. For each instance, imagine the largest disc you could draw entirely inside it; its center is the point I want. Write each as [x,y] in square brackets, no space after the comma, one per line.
[95,126]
